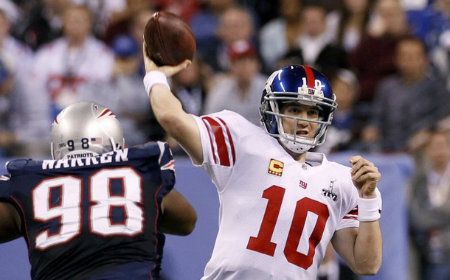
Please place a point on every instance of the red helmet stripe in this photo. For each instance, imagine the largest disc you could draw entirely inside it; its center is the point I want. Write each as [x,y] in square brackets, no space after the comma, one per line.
[106,112]
[309,77]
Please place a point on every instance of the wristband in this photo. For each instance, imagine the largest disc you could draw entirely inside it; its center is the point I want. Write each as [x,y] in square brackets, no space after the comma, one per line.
[154,77]
[369,209]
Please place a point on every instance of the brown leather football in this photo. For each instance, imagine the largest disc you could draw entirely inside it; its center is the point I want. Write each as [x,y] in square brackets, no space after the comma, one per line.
[169,40]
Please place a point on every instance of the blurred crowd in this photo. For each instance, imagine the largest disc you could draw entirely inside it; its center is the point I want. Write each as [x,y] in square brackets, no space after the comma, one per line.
[388,61]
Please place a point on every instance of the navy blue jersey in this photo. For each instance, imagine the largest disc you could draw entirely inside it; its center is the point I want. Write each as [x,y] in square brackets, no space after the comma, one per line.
[84,218]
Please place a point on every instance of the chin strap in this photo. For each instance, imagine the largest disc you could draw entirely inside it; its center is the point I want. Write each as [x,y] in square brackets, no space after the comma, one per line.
[295,147]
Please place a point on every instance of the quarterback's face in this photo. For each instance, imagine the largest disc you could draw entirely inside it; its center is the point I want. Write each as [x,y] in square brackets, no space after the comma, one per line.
[303,124]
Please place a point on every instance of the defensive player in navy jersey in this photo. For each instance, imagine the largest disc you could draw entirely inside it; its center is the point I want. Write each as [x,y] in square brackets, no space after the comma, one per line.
[95,211]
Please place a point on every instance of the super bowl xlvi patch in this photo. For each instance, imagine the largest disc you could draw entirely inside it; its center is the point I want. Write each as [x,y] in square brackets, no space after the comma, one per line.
[275,167]
[329,192]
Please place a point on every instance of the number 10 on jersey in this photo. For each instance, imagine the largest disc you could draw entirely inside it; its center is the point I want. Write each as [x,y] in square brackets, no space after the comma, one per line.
[262,242]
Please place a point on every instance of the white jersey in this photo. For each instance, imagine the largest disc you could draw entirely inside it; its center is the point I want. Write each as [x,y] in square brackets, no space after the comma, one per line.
[276,215]
[60,71]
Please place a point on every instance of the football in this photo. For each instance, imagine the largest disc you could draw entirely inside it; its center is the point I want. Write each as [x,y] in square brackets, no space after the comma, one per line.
[168,39]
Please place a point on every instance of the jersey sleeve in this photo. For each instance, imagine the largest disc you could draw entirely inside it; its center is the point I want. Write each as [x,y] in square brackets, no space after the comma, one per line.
[219,137]
[349,204]
[14,168]
[167,165]
[349,220]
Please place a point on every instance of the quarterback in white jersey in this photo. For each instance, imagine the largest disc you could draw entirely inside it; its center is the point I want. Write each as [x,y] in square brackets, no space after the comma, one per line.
[279,205]
[277,215]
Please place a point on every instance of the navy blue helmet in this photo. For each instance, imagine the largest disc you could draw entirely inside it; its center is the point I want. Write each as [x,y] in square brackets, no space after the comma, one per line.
[302,84]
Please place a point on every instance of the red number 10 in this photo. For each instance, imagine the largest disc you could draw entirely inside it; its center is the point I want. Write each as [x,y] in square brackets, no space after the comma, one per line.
[262,243]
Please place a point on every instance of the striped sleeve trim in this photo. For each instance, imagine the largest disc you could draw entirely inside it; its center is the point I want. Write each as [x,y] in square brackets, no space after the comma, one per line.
[169,162]
[352,215]
[4,178]
[221,141]
[169,166]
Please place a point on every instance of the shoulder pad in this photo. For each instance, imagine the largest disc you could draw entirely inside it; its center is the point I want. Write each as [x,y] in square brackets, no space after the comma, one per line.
[147,150]
[19,165]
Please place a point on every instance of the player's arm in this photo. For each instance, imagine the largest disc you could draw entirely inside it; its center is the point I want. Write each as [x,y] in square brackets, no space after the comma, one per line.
[168,110]
[9,223]
[362,247]
[178,216]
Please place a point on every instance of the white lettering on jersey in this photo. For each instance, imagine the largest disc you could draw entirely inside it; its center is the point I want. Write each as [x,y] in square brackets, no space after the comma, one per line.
[116,156]
[121,155]
[62,163]
[106,157]
[76,162]
[68,207]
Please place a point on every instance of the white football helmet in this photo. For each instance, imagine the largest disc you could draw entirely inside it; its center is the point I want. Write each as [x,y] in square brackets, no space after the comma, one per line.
[85,129]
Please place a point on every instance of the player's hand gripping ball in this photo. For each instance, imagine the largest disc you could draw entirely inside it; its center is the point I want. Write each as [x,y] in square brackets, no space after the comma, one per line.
[168,39]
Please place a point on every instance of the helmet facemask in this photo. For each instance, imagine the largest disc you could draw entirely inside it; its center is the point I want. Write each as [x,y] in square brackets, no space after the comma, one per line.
[272,117]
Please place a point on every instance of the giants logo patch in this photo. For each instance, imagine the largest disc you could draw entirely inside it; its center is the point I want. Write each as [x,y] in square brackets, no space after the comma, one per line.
[275,167]
[303,184]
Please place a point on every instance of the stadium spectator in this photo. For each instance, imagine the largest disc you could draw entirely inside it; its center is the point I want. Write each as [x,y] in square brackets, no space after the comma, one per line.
[122,22]
[239,89]
[136,28]
[350,22]
[411,100]
[235,24]
[315,42]
[343,134]
[41,21]
[104,13]
[429,23]
[373,58]
[440,56]
[280,35]
[294,56]
[62,66]
[137,25]
[190,87]
[24,116]
[315,36]
[429,210]
[185,9]
[123,94]
[205,25]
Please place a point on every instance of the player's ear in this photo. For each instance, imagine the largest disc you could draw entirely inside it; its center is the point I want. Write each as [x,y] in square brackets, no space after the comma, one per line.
[183,65]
